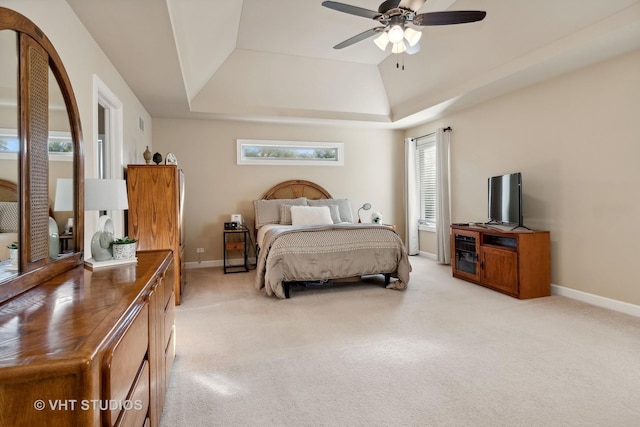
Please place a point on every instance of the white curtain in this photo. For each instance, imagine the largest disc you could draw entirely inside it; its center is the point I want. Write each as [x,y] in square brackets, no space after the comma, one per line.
[411,198]
[443,209]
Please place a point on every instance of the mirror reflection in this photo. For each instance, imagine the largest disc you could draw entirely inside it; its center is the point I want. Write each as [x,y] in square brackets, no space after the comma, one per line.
[9,150]
[61,186]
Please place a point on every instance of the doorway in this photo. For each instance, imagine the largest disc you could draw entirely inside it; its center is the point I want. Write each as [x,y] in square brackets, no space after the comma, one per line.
[108,137]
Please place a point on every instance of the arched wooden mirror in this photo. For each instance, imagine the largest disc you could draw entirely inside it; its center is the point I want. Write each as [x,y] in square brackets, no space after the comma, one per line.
[40,159]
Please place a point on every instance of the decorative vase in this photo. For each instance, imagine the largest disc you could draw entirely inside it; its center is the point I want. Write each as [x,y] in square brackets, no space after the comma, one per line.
[147,155]
[124,250]
[157,158]
[13,257]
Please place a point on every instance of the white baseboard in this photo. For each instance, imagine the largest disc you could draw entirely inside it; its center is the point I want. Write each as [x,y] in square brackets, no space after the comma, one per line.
[215,263]
[597,300]
[428,255]
[203,264]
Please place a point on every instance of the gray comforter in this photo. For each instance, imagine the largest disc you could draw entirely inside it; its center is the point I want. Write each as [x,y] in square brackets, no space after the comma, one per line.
[330,252]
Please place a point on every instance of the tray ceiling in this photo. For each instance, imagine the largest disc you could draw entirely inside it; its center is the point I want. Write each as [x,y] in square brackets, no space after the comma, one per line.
[273,60]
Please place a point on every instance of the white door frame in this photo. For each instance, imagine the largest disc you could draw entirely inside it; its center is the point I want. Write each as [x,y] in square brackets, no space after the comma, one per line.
[114,157]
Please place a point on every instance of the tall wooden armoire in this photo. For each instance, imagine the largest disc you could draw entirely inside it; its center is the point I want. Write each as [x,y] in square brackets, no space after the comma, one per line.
[156,201]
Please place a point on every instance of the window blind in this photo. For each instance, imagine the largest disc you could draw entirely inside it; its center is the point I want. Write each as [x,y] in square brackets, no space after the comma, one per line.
[426,171]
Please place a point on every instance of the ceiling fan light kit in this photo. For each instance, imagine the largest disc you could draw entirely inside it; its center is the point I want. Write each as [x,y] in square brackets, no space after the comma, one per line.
[395,15]
[396,34]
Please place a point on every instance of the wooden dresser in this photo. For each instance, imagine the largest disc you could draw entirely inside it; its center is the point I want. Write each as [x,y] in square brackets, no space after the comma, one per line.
[156,199]
[90,348]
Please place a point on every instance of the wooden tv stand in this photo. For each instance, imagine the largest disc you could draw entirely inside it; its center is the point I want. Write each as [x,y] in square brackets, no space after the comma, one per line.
[516,263]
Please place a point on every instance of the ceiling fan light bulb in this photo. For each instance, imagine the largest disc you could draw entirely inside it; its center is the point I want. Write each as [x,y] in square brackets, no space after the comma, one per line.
[412,36]
[382,40]
[398,47]
[396,34]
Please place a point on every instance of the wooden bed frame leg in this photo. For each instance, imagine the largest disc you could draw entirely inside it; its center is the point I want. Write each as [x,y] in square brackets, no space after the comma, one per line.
[285,287]
[387,279]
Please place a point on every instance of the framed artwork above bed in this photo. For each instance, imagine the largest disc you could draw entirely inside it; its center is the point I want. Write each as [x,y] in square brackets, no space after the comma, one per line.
[289,153]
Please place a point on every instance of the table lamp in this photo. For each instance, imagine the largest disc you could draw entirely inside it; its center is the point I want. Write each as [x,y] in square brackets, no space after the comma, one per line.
[104,195]
[365,207]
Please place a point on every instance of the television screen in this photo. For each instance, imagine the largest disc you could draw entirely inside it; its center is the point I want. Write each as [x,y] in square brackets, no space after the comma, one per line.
[505,199]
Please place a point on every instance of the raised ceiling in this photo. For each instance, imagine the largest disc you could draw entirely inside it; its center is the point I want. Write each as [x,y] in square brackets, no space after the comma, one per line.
[272,60]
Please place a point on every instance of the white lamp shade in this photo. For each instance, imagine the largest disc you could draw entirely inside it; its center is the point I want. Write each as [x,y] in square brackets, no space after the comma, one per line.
[396,34]
[105,195]
[412,36]
[398,47]
[412,49]
[64,195]
[382,40]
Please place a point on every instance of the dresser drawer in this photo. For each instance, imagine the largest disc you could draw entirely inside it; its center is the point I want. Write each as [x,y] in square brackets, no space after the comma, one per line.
[123,360]
[137,405]
[170,354]
[166,285]
[235,246]
[169,319]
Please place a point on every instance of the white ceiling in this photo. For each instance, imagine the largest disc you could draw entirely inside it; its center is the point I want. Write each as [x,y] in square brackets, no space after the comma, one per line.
[272,60]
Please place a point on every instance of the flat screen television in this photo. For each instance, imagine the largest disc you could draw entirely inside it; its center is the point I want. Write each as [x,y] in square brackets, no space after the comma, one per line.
[505,199]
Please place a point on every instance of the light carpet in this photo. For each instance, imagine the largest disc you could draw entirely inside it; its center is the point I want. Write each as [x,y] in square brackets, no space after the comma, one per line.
[442,353]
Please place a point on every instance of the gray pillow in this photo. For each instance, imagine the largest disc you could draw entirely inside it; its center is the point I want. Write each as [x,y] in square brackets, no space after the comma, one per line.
[268,211]
[344,207]
[285,214]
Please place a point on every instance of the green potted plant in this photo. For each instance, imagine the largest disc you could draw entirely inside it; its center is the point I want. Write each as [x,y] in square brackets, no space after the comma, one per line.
[13,253]
[124,248]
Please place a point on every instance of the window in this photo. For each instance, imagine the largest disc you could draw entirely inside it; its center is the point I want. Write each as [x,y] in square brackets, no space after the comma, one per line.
[279,153]
[426,174]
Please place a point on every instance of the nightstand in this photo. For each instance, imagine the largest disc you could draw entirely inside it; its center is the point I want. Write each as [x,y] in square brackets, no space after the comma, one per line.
[235,242]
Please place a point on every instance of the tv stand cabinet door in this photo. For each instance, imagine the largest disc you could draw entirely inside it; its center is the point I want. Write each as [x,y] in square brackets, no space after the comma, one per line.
[499,269]
[465,255]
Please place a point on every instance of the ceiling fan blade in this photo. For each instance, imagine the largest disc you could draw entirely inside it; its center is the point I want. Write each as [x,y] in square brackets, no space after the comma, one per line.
[449,17]
[359,37]
[388,5]
[353,10]
[412,4]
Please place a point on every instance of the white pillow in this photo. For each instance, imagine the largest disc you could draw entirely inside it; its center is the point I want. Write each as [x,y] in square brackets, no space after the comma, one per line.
[310,215]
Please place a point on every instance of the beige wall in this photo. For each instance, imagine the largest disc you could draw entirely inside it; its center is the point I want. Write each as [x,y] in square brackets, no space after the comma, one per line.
[217,187]
[576,140]
[83,59]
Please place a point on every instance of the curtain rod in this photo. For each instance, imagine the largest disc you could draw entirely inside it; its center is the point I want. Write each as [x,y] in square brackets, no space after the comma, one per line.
[447,129]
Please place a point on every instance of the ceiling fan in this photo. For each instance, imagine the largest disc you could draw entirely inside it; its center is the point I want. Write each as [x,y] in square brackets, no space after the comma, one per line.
[395,17]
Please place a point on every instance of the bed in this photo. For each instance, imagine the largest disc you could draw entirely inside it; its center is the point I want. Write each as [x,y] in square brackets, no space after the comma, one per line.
[8,216]
[304,235]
